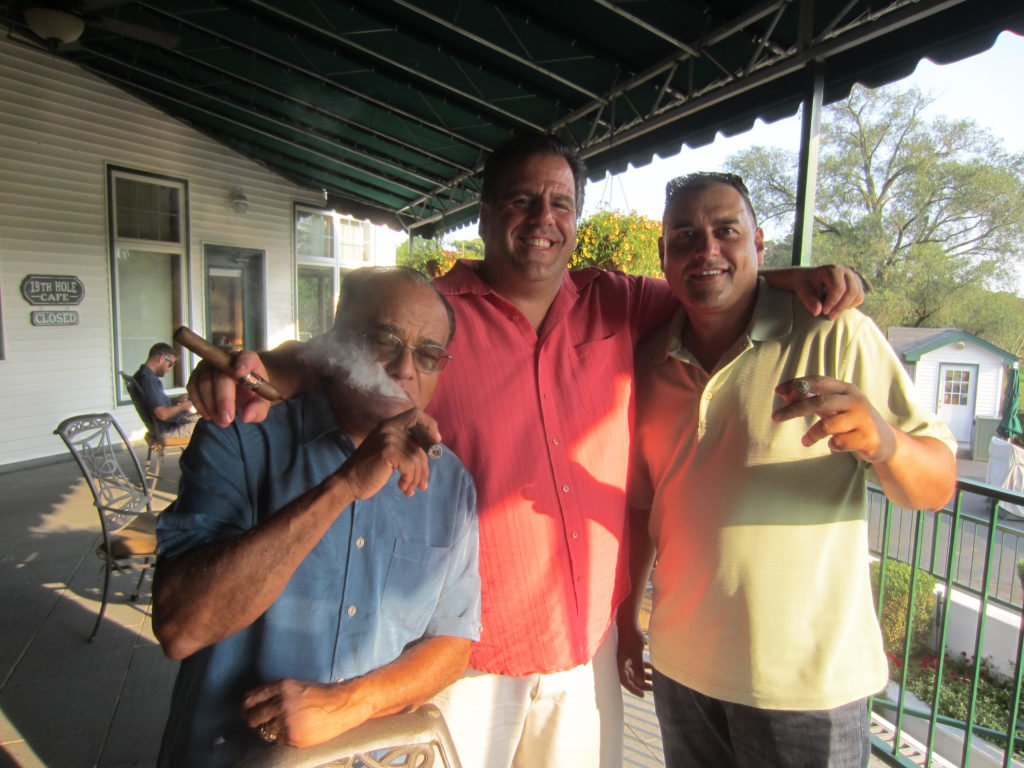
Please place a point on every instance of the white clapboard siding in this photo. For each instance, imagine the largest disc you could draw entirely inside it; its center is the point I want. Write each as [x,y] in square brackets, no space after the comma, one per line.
[59,130]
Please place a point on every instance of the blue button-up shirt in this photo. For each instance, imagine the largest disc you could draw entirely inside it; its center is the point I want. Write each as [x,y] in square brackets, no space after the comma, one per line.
[389,570]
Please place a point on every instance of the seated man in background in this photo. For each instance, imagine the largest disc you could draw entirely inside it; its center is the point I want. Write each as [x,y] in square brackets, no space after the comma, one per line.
[764,639]
[173,418]
[316,571]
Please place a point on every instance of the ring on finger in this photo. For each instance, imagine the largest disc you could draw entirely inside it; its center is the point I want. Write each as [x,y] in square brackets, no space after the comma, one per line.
[267,735]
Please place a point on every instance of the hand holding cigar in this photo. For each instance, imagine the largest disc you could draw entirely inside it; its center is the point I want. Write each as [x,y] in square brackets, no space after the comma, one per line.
[221,360]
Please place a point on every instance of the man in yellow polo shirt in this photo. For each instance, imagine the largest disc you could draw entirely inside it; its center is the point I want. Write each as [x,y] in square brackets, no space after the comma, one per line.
[757,427]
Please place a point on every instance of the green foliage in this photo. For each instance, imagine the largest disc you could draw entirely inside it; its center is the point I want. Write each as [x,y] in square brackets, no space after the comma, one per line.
[431,257]
[627,242]
[894,608]
[930,211]
[994,699]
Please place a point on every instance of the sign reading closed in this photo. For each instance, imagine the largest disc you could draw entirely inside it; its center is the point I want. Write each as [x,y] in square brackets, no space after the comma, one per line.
[43,290]
[54,317]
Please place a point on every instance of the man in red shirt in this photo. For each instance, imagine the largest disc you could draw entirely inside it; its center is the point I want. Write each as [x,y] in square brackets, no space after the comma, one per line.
[537,405]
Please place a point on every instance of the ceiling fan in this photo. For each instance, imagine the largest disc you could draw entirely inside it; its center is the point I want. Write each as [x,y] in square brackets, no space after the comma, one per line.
[60,24]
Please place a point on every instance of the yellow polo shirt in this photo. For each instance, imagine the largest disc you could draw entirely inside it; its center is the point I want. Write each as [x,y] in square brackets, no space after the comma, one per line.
[761,589]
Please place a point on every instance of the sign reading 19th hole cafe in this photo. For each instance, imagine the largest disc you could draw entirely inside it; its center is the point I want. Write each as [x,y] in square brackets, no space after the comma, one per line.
[47,290]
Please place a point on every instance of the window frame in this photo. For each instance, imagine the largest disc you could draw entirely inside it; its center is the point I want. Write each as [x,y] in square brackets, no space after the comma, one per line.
[338,265]
[181,294]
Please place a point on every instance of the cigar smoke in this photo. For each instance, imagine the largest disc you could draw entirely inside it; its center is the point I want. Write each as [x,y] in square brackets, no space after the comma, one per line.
[355,364]
[362,372]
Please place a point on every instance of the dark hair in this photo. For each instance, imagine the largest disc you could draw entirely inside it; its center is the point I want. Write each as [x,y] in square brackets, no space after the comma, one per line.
[160,348]
[359,282]
[524,145]
[702,180]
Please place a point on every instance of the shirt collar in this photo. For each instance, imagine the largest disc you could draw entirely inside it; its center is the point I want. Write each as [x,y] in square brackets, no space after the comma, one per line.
[465,278]
[317,419]
[772,319]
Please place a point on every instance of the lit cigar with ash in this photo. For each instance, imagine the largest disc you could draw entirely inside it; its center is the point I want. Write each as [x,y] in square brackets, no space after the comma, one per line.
[365,373]
[796,389]
[221,360]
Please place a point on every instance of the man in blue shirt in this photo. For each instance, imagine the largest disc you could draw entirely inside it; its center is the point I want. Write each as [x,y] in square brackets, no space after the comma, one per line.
[173,418]
[318,569]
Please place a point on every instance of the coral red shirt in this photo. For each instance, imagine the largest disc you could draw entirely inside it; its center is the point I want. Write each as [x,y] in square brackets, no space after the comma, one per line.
[542,422]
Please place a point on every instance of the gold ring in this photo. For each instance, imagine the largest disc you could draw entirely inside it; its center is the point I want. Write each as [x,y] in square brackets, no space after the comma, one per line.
[267,735]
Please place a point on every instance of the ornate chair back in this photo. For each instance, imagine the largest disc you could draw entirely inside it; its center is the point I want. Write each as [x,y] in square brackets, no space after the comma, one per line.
[120,493]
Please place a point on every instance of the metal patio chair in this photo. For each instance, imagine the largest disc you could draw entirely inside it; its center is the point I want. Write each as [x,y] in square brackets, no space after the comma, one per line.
[419,738]
[120,493]
[157,446]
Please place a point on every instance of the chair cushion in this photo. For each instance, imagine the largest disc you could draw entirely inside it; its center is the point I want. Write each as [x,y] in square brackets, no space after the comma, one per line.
[137,539]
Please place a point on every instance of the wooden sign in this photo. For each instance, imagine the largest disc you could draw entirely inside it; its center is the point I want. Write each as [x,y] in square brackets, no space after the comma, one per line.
[44,290]
[54,317]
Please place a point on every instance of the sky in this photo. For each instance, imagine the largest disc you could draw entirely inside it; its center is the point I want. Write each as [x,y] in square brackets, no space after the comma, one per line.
[988,87]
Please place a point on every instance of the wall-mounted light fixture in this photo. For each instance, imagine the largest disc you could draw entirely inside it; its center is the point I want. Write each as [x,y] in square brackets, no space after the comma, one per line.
[54,26]
[239,201]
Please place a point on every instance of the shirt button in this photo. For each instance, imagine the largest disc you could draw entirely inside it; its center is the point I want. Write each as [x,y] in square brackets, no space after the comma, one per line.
[360,542]
[351,610]
[575,534]
[554,441]
[565,488]
[707,395]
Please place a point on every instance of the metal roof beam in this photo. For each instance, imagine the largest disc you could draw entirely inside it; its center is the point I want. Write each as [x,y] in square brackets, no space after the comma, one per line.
[889,23]
[483,42]
[164,97]
[306,72]
[316,109]
[647,27]
[410,72]
[264,116]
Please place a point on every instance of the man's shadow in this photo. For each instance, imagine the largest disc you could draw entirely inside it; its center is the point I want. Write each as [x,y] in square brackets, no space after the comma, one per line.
[64,700]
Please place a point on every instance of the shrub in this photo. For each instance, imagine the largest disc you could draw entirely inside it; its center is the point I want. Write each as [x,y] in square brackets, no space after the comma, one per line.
[894,609]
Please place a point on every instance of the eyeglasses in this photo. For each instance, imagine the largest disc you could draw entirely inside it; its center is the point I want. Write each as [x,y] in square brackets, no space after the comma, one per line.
[386,348]
[168,358]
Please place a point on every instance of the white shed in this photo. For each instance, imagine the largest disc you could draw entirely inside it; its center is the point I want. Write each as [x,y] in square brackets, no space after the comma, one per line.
[960,377]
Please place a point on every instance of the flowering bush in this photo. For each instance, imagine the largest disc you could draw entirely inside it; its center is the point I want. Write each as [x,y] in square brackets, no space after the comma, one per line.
[627,242]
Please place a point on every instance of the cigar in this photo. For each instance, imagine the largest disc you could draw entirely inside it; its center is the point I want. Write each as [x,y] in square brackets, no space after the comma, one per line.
[221,360]
[802,387]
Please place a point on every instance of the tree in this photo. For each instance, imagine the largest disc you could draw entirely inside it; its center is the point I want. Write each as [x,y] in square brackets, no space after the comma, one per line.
[930,211]
[627,242]
[431,257]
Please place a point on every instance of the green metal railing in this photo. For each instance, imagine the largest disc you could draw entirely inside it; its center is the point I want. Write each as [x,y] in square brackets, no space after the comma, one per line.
[968,550]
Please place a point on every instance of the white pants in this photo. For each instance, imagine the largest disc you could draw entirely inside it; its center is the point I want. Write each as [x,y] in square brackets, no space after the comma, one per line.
[563,718]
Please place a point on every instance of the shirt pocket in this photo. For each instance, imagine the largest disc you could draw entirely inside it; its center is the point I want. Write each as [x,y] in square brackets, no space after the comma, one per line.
[413,584]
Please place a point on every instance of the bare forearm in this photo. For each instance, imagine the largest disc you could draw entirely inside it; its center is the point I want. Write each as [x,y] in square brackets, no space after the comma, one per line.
[413,678]
[213,591]
[641,560]
[921,474]
[166,412]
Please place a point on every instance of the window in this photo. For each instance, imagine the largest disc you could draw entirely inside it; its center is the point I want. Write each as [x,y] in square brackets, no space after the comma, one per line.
[326,246]
[956,387]
[148,266]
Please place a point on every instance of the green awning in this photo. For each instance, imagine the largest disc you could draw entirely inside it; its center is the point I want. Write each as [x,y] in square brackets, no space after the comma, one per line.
[391,106]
